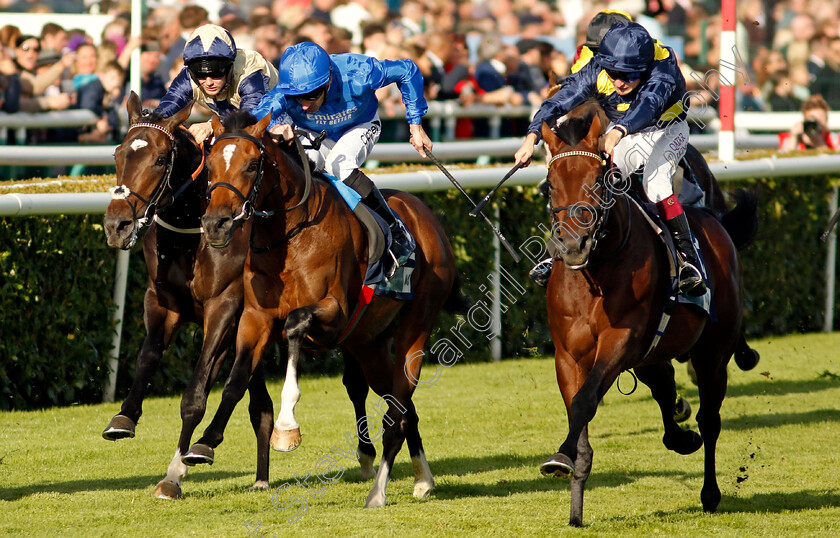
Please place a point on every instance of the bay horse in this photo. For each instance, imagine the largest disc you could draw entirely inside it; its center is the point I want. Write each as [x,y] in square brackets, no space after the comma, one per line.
[605,303]
[162,184]
[303,278]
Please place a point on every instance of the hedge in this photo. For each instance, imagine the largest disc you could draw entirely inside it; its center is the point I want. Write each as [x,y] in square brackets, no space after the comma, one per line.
[57,279]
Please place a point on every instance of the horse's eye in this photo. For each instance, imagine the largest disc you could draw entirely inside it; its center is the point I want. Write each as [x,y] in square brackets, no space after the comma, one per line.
[161,161]
[253,166]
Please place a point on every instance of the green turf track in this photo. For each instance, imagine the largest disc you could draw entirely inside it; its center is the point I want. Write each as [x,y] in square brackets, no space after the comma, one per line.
[486,427]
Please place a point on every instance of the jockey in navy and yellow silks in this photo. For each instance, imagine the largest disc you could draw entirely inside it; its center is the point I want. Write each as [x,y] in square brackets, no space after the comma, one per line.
[639,85]
[218,75]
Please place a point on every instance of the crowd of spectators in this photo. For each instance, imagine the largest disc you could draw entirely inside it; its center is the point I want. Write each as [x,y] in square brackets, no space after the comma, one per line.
[492,52]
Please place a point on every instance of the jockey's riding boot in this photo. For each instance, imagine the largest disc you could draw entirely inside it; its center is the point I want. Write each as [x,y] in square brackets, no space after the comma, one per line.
[542,272]
[402,244]
[691,281]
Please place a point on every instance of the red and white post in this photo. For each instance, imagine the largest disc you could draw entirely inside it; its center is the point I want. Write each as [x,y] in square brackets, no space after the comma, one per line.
[726,136]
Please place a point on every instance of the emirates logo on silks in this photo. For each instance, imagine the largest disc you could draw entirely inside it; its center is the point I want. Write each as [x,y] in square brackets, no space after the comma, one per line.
[671,200]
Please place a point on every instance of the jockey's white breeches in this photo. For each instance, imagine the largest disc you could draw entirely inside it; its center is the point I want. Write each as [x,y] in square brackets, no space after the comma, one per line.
[659,151]
[340,157]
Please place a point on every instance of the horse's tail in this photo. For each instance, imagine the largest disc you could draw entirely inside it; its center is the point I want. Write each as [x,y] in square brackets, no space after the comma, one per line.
[741,222]
[455,301]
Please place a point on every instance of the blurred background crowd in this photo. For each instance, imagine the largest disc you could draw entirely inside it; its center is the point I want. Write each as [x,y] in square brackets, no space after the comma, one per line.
[490,52]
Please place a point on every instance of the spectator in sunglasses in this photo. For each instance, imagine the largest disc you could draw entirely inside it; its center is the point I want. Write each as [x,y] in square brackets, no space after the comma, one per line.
[639,85]
[218,75]
[336,93]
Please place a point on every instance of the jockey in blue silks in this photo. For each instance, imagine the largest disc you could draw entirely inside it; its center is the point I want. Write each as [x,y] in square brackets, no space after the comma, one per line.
[640,87]
[335,93]
[218,75]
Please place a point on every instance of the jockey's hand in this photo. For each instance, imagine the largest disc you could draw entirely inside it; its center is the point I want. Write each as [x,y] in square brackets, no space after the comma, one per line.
[201,131]
[284,131]
[526,150]
[419,139]
[608,141]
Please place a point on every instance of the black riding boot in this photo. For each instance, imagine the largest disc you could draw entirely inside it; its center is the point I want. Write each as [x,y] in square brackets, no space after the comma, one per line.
[402,243]
[542,272]
[691,281]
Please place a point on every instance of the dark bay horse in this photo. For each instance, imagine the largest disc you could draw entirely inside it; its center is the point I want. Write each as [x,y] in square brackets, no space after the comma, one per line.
[303,279]
[605,304]
[160,165]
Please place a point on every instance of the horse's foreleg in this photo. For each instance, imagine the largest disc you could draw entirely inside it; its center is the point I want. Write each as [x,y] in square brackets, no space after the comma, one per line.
[659,377]
[583,466]
[161,324]
[299,322]
[251,339]
[261,411]
[219,324]
[357,389]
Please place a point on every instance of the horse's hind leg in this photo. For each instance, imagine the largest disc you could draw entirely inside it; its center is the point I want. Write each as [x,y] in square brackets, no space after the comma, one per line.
[711,382]
[161,324]
[357,390]
[745,357]
[261,412]
[659,377]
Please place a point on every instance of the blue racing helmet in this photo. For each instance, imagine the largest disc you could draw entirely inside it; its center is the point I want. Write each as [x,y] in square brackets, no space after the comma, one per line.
[210,50]
[304,68]
[626,48]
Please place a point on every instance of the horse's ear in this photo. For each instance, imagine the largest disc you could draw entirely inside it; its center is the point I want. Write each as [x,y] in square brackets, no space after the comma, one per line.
[179,117]
[262,125]
[550,138]
[596,128]
[216,125]
[134,108]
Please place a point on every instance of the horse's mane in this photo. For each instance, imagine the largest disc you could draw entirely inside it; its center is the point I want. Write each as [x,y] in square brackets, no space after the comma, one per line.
[238,120]
[578,121]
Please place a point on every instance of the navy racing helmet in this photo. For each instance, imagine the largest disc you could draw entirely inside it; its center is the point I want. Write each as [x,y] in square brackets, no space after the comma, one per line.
[304,69]
[210,51]
[626,48]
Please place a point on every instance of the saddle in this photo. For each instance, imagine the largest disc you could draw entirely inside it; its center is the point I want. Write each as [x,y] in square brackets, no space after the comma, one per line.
[379,242]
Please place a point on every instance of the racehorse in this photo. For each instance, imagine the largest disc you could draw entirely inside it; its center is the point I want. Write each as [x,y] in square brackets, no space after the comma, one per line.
[605,303]
[303,279]
[161,183]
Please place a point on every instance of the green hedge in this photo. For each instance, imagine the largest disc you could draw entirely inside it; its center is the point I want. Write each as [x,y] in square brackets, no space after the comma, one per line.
[57,279]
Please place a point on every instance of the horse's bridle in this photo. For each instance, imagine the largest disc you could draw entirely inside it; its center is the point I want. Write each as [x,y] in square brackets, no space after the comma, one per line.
[602,211]
[248,202]
[122,192]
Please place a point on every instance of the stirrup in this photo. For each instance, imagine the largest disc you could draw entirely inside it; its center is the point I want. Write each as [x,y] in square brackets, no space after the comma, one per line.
[542,272]
[691,282]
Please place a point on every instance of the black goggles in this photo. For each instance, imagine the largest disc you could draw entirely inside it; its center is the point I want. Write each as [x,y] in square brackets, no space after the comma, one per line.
[211,69]
[626,77]
[311,96]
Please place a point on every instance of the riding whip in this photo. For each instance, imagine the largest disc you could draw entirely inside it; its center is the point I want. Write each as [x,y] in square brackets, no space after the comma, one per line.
[458,186]
[831,223]
[486,199]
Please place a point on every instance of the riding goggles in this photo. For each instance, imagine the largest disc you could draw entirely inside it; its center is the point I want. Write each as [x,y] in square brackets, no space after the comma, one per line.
[209,68]
[311,96]
[626,77]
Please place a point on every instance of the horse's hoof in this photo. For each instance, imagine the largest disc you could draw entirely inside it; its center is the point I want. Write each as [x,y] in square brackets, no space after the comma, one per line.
[120,427]
[198,453]
[366,464]
[423,489]
[559,465]
[168,490]
[375,499]
[682,410]
[259,485]
[747,360]
[685,443]
[285,440]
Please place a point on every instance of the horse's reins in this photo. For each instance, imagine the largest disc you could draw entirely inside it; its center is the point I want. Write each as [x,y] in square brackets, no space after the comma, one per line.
[598,233]
[248,203]
[122,192]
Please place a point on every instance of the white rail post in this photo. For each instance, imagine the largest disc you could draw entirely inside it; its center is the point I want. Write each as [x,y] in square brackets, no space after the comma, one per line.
[496,282]
[120,280]
[830,267]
